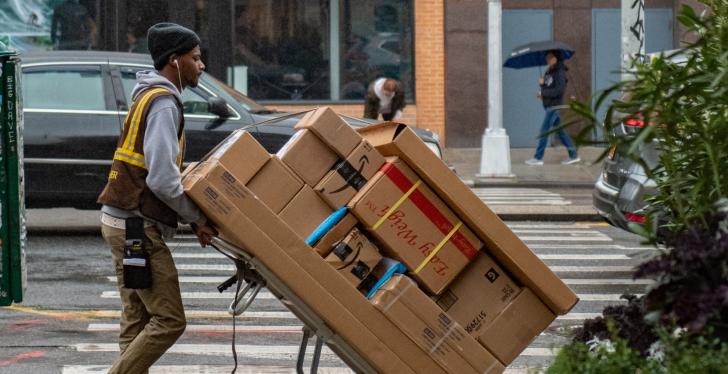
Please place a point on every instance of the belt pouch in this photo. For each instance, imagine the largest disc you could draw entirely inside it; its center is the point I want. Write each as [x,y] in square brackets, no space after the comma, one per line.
[137,268]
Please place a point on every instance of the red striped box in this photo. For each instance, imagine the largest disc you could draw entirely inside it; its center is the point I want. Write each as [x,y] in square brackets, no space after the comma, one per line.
[415,226]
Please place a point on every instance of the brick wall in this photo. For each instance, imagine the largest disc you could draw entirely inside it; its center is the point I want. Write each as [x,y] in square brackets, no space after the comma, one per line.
[430,65]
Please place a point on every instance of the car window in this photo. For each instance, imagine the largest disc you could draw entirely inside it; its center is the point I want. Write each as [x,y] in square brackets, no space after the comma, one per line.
[245,101]
[193,102]
[71,88]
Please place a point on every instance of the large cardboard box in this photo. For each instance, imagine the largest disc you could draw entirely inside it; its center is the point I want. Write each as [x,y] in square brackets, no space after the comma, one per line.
[349,175]
[242,153]
[354,257]
[432,329]
[392,139]
[308,156]
[338,232]
[251,225]
[305,212]
[415,226]
[275,184]
[516,326]
[478,295]
[333,130]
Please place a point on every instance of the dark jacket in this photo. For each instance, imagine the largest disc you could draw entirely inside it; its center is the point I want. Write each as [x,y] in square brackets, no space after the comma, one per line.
[371,103]
[554,85]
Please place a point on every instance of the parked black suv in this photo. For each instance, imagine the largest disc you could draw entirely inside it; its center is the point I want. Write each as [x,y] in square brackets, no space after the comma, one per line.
[74,107]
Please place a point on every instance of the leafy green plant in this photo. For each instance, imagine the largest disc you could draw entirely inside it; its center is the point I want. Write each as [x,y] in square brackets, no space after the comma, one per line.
[685,111]
[674,353]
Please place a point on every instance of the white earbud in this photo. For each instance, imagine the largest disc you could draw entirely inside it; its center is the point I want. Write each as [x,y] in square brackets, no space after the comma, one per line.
[179,76]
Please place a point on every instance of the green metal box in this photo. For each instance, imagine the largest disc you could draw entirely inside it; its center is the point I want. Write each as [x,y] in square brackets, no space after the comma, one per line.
[13,276]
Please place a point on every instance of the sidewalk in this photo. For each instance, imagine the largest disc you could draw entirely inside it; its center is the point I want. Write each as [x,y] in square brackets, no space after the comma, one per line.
[574,182]
[466,162]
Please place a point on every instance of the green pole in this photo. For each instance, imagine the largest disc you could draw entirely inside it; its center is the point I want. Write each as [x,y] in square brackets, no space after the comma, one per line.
[13,276]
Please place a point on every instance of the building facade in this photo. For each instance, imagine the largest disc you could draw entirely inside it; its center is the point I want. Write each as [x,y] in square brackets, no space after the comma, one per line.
[298,54]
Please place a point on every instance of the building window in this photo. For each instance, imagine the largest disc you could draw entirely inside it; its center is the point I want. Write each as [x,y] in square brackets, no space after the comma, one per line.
[376,40]
[284,46]
[322,50]
[282,50]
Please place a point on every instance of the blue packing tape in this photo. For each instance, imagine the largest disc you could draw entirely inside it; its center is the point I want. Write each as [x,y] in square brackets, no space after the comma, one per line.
[326,226]
[395,267]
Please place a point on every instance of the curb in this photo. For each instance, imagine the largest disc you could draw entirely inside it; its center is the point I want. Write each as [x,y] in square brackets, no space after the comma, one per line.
[546,217]
[533,184]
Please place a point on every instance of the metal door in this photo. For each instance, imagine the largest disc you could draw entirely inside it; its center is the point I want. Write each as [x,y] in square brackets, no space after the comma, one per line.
[606,48]
[522,110]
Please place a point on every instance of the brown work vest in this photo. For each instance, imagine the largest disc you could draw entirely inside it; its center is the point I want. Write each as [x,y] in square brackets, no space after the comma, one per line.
[126,187]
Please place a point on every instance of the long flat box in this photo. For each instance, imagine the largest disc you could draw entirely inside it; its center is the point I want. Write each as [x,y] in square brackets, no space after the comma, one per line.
[308,156]
[259,231]
[354,257]
[415,226]
[516,326]
[330,128]
[338,232]
[432,329]
[349,175]
[275,184]
[478,294]
[305,212]
[392,139]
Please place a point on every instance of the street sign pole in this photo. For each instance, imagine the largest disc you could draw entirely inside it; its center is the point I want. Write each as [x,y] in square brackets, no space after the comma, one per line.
[633,34]
[495,156]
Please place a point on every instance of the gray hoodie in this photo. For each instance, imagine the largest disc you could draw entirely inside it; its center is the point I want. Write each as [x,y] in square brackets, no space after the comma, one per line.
[160,154]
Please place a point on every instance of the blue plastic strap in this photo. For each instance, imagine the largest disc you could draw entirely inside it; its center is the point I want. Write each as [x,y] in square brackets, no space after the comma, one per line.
[326,226]
[395,268]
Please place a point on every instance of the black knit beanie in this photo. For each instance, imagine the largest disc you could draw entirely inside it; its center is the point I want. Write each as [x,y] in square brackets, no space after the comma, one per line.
[166,38]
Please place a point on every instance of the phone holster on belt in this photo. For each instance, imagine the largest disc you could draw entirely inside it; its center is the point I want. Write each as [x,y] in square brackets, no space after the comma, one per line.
[137,268]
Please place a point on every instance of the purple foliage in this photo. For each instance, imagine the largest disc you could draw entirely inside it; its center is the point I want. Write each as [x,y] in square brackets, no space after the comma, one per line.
[628,322]
[692,288]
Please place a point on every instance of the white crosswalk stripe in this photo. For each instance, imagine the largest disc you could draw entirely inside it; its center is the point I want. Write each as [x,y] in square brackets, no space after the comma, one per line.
[519,196]
[204,369]
[210,328]
[278,352]
[583,255]
[227,295]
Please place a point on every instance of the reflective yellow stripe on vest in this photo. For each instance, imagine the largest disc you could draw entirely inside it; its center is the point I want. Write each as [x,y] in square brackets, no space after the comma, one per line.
[136,159]
[180,150]
[131,135]
[126,152]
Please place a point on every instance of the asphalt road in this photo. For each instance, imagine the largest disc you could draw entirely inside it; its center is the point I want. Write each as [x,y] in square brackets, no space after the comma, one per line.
[68,322]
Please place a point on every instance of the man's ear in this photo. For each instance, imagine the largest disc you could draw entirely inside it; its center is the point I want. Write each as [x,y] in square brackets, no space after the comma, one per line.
[174,61]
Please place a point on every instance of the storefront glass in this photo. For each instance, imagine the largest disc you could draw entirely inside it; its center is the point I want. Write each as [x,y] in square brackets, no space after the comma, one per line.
[272,50]
[284,45]
[376,39]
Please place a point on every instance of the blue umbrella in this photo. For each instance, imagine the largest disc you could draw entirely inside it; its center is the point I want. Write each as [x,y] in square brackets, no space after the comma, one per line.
[534,54]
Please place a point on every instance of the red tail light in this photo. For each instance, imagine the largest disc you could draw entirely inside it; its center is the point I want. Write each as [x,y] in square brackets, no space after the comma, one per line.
[637,218]
[633,122]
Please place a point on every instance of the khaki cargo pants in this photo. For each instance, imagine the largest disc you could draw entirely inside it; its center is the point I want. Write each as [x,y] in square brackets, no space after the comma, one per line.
[151,319]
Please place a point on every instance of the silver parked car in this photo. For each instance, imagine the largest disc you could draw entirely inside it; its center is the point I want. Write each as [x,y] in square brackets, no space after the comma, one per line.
[620,191]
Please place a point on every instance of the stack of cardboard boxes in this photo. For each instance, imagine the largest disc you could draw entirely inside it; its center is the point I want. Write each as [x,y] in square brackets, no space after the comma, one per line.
[473,296]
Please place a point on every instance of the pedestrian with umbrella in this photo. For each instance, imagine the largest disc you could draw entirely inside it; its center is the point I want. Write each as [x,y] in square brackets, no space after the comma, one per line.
[552,87]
